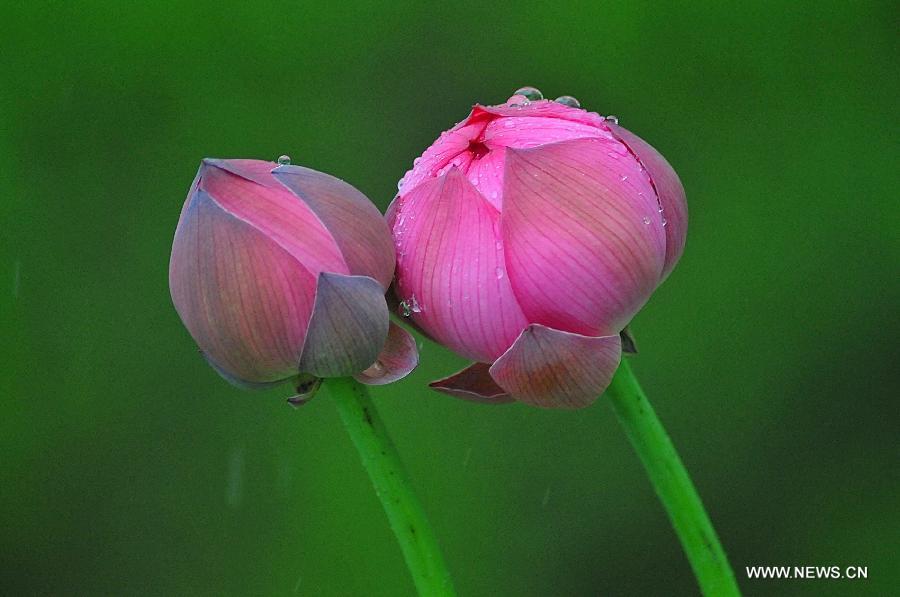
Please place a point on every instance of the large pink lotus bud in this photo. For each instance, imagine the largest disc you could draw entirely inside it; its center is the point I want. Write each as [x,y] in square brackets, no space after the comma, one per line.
[279,272]
[528,236]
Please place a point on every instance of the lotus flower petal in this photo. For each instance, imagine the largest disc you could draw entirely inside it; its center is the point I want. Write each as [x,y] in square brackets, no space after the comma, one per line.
[348,326]
[454,279]
[247,189]
[668,188]
[554,369]
[398,357]
[245,300]
[473,383]
[355,223]
[583,237]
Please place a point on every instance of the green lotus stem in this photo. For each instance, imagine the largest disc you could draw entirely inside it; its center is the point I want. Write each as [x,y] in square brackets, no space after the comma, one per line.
[404,512]
[672,484]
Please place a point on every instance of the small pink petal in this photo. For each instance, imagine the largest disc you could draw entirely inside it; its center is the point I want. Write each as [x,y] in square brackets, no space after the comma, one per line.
[473,383]
[451,273]
[396,360]
[348,326]
[450,149]
[554,369]
[355,223]
[583,237]
[524,132]
[244,299]
[670,191]
[247,190]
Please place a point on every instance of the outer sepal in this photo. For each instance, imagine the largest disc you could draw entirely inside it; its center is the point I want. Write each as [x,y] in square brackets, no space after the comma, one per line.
[473,383]
[396,360]
[554,369]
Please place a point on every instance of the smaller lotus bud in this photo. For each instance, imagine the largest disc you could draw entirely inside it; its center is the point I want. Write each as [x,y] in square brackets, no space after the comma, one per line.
[279,273]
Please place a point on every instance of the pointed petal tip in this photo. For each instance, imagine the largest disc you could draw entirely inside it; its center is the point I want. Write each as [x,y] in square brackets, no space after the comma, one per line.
[258,171]
[397,359]
[473,383]
[550,368]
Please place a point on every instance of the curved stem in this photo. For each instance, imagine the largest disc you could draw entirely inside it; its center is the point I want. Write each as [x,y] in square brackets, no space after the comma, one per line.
[672,484]
[404,512]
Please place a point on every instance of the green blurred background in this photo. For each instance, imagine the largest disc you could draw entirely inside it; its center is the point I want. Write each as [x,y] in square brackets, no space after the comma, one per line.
[127,466]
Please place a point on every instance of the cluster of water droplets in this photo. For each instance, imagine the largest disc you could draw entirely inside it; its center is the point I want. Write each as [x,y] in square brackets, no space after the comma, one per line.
[410,306]
[533,94]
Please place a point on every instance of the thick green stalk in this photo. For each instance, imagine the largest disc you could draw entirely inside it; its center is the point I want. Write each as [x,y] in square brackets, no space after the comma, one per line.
[404,512]
[672,484]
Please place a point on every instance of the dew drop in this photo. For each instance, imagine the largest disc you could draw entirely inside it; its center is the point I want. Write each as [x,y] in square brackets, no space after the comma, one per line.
[284,160]
[405,311]
[499,272]
[647,220]
[498,245]
[612,119]
[664,222]
[568,100]
[532,94]
[623,178]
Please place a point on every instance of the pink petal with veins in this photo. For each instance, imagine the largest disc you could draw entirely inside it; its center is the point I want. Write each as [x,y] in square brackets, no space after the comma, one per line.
[670,191]
[451,270]
[247,189]
[583,237]
[354,222]
[245,300]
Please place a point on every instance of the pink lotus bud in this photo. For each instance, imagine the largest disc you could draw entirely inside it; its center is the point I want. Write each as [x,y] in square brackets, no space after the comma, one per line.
[279,272]
[528,236]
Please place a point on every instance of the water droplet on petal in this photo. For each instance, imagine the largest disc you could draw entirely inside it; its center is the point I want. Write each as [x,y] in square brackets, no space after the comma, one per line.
[612,119]
[647,220]
[530,93]
[568,100]
[498,245]
[284,160]
[623,178]
[664,222]
[410,305]
[499,272]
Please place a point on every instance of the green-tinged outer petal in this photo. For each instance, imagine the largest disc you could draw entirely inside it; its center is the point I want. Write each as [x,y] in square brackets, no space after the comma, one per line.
[348,327]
